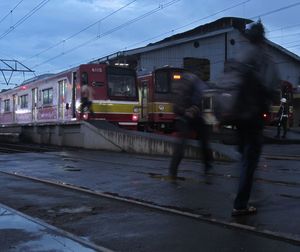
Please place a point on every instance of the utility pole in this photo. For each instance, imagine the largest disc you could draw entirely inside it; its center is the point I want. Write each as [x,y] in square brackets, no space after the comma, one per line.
[12,66]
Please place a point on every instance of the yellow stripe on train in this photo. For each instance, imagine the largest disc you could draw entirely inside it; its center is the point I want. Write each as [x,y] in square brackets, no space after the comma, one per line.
[160,107]
[113,108]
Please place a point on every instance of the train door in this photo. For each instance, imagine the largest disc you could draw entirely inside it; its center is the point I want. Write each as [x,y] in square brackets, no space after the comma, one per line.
[74,77]
[144,99]
[14,107]
[34,104]
[62,87]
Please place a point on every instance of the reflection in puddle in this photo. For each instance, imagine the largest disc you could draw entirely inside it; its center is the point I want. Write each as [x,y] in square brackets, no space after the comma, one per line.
[35,236]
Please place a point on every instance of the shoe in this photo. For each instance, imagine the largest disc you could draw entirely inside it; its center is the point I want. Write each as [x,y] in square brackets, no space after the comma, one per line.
[245,211]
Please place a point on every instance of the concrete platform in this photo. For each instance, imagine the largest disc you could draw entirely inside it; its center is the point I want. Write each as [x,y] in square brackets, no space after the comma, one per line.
[19,232]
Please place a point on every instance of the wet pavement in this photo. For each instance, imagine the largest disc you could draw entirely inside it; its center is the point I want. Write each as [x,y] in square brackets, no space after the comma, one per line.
[276,188]
[19,232]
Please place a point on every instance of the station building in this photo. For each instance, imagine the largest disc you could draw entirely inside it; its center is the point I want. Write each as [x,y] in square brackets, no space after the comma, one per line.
[204,50]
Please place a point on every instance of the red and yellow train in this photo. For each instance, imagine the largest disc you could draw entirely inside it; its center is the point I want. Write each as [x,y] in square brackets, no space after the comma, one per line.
[156,109]
[113,96]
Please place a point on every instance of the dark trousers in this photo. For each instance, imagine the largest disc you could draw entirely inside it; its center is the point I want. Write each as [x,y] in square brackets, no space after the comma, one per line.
[86,105]
[250,146]
[184,128]
[282,123]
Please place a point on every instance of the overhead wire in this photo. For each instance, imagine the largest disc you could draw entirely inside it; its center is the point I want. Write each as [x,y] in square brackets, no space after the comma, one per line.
[209,16]
[24,18]
[159,8]
[195,21]
[134,20]
[82,30]
[276,10]
[11,11]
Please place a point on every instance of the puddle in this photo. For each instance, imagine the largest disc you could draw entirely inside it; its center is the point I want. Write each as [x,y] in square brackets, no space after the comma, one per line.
[77,210]
[71,168]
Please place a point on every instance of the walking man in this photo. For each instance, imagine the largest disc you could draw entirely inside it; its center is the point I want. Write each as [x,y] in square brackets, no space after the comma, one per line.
[186,98]
[259,83]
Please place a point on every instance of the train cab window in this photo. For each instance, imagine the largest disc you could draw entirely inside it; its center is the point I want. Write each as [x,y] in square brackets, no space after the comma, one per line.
[6,105]
[122,86]
[24,101]
[162,82]
[84,78]
[47,96]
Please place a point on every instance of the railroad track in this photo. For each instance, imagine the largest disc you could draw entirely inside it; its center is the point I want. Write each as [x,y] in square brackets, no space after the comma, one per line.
[203,217]
[23,148]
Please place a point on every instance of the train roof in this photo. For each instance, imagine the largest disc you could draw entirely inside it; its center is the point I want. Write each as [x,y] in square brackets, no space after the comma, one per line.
[39,77]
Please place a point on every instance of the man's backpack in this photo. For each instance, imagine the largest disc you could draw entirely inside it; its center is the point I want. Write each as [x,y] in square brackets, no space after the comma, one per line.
[246,89]
[227,91]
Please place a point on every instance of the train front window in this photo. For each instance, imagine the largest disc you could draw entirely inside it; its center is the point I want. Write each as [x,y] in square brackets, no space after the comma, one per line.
[162,82]
[122,86]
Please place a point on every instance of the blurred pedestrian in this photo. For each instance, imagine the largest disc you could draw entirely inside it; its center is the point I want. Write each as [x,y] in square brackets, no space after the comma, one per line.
[85,101]
[187,102]
[282,116]
[259,82]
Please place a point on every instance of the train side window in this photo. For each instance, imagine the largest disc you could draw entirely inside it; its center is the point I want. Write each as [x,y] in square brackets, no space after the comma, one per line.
[7,105]
[47,96]
[24,101]
[84,78]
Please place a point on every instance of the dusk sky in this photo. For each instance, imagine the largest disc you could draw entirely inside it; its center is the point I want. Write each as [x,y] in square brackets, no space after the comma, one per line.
[53,35]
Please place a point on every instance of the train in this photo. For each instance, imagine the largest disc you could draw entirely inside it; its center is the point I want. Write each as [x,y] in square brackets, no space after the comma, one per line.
[113,96]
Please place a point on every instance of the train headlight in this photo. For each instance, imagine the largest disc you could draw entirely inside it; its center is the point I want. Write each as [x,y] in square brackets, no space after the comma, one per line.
[85,116]
[161,107]
[135,118]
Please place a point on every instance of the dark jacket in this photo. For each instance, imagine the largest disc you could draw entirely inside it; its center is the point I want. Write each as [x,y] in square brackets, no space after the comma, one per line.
[186,96]
[260,81]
